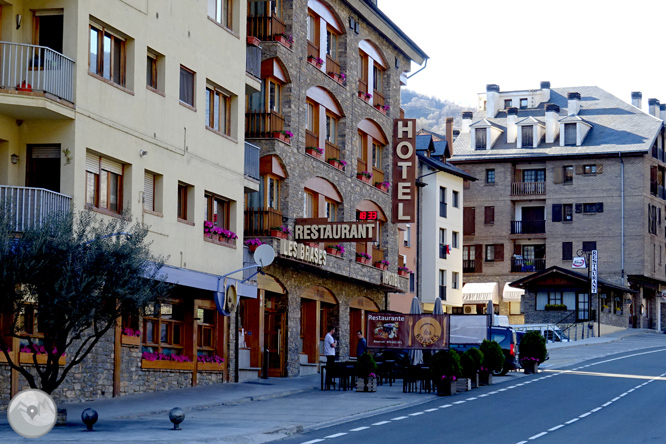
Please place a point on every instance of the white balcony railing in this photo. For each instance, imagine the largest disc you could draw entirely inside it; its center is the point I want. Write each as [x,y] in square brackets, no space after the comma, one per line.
[36,68]
[30,207]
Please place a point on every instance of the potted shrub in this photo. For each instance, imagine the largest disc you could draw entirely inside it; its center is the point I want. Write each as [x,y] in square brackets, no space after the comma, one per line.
[363,258]
[384,186]
[253,244]
[283,135]
[383,264]
[493,356]
[532,351]
[339,164]
[404,271]
[336,250]
[364,176]
[445,370]
[314,151]
[366,373]
[280,232]
[471,362]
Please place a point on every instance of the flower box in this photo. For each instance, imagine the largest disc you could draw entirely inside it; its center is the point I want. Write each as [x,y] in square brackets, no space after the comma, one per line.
[130,340]
[210,366]
[279,234]
[333,251]
[314,153]
[366,384]
[463,385]
[446,387]
[166,365]
[282,137]
[253,41]
[252,248]
[315,62]
[362,260]
[485,378]
[404,273]
[282,40]
[381,266]
[26,358]
[363,96]
[381,109]
[383,186]
[335,163]
[363,178]
[530,367]
[226,240]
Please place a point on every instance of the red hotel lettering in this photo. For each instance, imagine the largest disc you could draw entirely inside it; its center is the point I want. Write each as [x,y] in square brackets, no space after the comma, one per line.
[404,171]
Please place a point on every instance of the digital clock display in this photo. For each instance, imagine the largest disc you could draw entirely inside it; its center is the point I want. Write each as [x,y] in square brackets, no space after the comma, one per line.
[366,215]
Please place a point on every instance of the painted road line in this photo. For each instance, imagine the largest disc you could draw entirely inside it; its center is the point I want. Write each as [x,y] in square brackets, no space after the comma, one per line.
[313,441]
[538,436]
[595,410]
[445,406]
[399,418]
[459,402]
[484,395]
[358,429]
[381,423]
[556,427]
[416,414]
[471,399]
[571,421]
[337,435]
[431,410]
[585,414]
[607,404]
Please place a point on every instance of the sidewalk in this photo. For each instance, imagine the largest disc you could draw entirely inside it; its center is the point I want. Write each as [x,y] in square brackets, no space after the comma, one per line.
[605,339]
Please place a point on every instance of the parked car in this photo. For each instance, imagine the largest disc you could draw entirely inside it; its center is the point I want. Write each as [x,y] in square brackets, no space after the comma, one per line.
[507,339]
[551,332]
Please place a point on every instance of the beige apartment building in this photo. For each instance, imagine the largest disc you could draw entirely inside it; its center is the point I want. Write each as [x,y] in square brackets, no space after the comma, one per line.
[563,172]
[136,106]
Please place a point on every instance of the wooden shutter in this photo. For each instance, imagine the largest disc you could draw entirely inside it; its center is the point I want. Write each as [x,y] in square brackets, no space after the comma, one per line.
[557,212]
[558,175]
[518,249]
[517,175]
[466,184]
[478,258]
[112,166]
[600,169]
[579,208]
[499,252]
[489,215]
[149,191]
[469,220]
[92,163]
[579,169]
[567,251]
[600,207]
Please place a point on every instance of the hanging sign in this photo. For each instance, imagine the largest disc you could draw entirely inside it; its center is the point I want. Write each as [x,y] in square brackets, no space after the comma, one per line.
[408,331]
[321,230]
[404,170]
[593,271]
[578,262]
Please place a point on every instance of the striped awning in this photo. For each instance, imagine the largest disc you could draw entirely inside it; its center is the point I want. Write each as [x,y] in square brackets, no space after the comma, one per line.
[479,292]
[512,294]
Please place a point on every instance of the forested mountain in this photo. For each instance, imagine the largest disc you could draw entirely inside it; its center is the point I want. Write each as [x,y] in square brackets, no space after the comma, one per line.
[430,112]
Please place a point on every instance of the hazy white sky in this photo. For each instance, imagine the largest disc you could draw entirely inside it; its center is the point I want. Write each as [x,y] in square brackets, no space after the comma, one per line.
[616,45]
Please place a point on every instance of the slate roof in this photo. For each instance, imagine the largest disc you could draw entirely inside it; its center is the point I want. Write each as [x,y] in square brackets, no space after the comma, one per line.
[444,166]
[616,127]
[441,149]
[424,142]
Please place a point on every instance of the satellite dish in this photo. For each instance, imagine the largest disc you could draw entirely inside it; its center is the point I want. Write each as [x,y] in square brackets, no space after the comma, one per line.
[231,299]
[264,255]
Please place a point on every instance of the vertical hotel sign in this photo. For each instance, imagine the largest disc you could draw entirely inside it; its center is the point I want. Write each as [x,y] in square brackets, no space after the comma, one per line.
[404,170]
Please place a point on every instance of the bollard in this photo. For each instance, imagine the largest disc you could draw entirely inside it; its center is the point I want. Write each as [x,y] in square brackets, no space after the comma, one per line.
[176,416]
[89,418]
[264,365]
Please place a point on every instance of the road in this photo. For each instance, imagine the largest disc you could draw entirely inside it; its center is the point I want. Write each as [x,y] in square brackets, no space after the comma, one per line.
[604,393]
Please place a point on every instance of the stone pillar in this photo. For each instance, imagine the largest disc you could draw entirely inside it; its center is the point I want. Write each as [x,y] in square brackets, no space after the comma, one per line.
[343,325]
[293,332]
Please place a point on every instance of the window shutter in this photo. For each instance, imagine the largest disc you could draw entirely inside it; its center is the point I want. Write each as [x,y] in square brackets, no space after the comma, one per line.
[600,207]
[149,191]
[567,251]
[579,208]
[469,222]
[557,212]
[489,216]
[466,184]
[112,166]
[518,175]
[579,169]
[558,175]
[45,152]
[499,252]
[92,163]
[600,169]
[517,249]
[541,300]
[478,258]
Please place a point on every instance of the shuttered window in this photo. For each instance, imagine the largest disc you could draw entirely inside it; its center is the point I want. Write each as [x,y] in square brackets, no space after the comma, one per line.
[526,133]
[567,251]
[469,220]
[104,183]
[149,191]
[489,215]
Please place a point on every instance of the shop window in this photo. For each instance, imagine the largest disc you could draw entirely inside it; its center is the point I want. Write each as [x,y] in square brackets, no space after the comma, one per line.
[164,329]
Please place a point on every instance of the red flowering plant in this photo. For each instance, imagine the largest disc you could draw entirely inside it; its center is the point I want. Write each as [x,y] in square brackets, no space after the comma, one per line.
[384,262]
[209,228]
[282,228]
[363,255]
[225,233]
[37,349]
[148,356]
[253,242]
[131,332]
[210,359]
[339,247]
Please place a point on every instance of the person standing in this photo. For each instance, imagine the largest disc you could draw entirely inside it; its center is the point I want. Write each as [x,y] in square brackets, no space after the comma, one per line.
[362,345]
[329,352]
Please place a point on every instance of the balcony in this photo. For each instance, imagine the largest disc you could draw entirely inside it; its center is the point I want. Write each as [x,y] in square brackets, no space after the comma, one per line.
[42,79]
[528,226]
[253,68]
[265,28]
[332,66]
[362,86]
[251,168]
[31,207]
[378,254]
[378,98]
[263,125]
[313,50]
[469,266]
[520,265]
[258,222]
[331,151]
[528,188]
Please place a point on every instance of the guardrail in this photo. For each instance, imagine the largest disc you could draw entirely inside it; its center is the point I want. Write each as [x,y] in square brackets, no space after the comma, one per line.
[251,167]
[30,207]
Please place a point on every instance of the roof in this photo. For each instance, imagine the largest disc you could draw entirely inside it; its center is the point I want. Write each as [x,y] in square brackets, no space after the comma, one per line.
[446,167]
[424,142]
[530,120]
[432,133]
[442,149]
[617,127]
[484,123]
[533,279]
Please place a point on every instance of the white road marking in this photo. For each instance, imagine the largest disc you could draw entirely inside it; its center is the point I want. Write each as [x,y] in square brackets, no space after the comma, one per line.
[571,421]
[539,435]
[431,410]
[484,395]
[358,429]
[335,436]
[459,402]
[556,427]
[585,414]
[381,423]
[313,441]
[445,406]
[471,399]
[595,410]
[399,418]
[607,404]
[416,414]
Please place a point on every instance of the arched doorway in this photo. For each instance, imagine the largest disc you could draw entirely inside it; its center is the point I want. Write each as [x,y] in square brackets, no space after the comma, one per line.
[357,310]
[319,310]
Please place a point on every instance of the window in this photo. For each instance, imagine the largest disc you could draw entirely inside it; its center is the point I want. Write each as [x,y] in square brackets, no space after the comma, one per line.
[589,246]
[152,192]
[568,173]
[377,73]
[412,282]
[332,129]
[592,208]
[331,44]
[442,202]
[184,201]
[589,169]
[526,134]
[218,106]
[107,54]
[220,11]
[311,117]
[104,183]
[567,251]
[454,199]
[454,280]
[272,192]
[508,103]
[207,334]
[454,239]
[268,100]
[443,249]
[534,175]
[274,93]
[442,284]
[377,156]
[570,134]
[164,328]
[151,70]
[490,176]
[567,212]
[652,219]
[331,210]
[312,30]
[490,253]
[186,86]
[408,236]
[489,215]
[480,138]
[218,210]
[469,221]
[567,298]
[523,103]
[309,205]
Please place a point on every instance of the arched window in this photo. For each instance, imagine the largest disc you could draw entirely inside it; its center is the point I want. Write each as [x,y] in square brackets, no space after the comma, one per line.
[376,250]
[372,68]
[263,209]
[323,114]
[371,146]
[264,109]
[324,28]
[321,199]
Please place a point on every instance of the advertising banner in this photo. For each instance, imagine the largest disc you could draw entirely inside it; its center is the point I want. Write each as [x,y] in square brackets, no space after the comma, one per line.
[408,331]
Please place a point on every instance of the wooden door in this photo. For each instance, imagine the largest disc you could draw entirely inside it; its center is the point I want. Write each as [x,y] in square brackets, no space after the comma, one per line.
[275,336]
[355,324]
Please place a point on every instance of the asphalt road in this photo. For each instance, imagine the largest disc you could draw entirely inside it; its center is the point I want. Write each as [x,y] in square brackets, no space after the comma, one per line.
[612,397]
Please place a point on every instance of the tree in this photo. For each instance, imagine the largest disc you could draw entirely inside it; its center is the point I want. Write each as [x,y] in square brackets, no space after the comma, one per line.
[77,277]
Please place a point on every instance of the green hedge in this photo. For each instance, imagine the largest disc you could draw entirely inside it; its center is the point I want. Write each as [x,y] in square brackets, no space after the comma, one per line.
[533,345]
[555,307]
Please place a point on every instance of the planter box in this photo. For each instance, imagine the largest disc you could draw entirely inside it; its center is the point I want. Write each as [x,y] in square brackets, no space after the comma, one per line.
[313,62]
[475,381]
[485,378]
[362,260]
[167,365]
[363,97]
[463,385]
[362,178]
[130,340]
[383,188]
[446,388]
[381,266]
[380,109]
[336,164]
[282,40]
[26,358]
[209,366]
[226,240]
[366,384]
[333,251]
[253,41]
[314,153]
[282,137]
[530,367]
[252,248]
[403,273]
[278,234]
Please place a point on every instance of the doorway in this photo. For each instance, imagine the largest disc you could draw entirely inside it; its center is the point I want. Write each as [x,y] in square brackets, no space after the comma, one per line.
[49,29]
[43,169]
[533,220]
[275,342]
[583,307]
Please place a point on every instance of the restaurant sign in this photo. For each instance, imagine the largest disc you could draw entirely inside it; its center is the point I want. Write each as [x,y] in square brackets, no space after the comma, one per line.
[408,331]
[321,230]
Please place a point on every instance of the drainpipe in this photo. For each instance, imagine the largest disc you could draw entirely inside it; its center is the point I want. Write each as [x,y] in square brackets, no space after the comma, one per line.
[622,206]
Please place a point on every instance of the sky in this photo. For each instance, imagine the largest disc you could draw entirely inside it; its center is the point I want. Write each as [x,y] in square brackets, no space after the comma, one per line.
[615,45]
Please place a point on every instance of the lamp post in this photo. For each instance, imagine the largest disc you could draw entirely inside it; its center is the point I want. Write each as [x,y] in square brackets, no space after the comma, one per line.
[592,278]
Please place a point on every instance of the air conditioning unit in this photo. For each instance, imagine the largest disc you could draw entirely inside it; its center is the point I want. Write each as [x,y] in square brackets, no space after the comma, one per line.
[470,309]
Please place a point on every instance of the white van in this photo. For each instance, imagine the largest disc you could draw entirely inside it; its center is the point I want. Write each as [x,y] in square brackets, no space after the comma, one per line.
[551,332]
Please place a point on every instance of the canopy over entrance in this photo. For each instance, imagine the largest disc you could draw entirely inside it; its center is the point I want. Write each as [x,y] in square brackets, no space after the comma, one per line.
[512,294]
[475,293]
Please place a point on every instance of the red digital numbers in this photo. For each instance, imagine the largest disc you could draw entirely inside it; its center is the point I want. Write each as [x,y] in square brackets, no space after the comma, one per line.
[367,215]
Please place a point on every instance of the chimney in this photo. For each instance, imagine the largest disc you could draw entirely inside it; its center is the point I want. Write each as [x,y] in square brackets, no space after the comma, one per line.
[662,111]
[511,128]
[466,122]
[637,99]
[552,122]
[653,107]
[492,100]
[574,104]
[449,137]
[545,91]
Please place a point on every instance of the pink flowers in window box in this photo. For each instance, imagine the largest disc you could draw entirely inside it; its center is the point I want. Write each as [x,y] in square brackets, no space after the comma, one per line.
[384,186]
[148,356]
[314,151]
[404,271]
[210,359]
[336,250]
[317,61]
[131,332]
[253,244]
[382,265]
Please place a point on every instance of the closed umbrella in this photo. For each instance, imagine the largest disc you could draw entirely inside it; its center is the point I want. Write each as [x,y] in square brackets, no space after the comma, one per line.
[415,356]
[438,310]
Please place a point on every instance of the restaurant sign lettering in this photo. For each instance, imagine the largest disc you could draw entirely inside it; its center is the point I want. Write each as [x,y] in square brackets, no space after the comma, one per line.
[408,331]
[321,230]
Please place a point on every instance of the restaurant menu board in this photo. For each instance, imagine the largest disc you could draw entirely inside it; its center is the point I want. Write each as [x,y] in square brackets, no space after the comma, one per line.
[408,331]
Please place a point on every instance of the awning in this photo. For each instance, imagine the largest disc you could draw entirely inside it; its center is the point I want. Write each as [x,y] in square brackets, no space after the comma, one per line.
[204,281]
[512,294]
[474,293]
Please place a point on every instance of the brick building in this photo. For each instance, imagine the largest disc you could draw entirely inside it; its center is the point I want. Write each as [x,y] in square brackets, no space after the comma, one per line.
[564,170]
[331,77]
